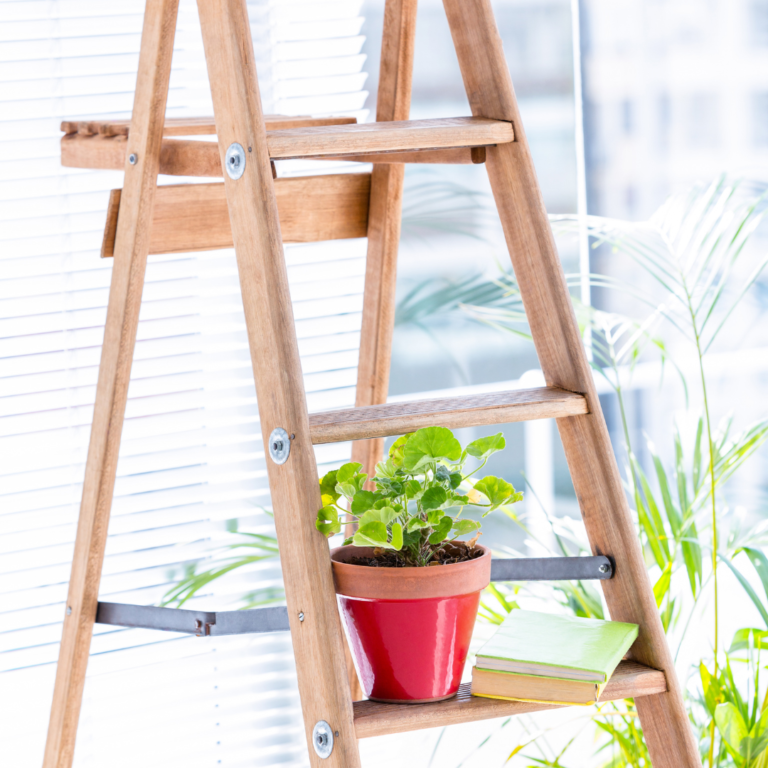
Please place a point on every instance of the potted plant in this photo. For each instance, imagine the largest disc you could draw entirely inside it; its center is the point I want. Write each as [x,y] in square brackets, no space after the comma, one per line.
[409,589]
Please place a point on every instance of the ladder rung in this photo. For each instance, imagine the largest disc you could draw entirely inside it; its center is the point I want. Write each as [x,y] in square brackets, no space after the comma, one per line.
[452,412]
[194,126]
[399,136]
[630,680]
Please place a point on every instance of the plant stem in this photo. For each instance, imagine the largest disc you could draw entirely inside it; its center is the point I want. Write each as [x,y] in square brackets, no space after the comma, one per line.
[700,357]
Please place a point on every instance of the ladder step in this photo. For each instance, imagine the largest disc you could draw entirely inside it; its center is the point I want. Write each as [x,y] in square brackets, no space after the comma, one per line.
[451,412]
[194,126]
[397,136]
[630,680]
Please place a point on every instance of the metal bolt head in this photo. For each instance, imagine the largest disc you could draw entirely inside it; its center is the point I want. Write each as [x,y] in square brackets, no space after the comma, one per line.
[69,610]
[133,158]
[301,616]
[603,568]
[322,739]
[234,161]
[279,445]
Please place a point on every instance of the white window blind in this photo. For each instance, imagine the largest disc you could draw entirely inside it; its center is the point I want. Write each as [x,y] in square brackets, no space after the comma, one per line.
[191,455]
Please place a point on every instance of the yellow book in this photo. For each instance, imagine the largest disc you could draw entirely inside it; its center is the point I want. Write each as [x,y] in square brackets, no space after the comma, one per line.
[545,690]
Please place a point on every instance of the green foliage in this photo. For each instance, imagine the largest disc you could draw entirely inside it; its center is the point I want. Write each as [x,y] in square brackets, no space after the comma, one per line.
[420,491]
[691,249]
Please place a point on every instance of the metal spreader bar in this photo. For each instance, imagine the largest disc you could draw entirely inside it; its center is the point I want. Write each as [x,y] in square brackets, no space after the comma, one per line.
[200,623]
[275,618]
[551,568]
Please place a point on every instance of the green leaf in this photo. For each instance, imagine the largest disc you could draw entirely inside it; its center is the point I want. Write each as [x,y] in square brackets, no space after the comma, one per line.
[661,587]
[434,497]
[347,472]
[397,450]
[384,515]
[397,537]
[731,725]
[363,501]
[413,489]
[348,490]
[462,527]
[760,563]
[456,479]
[486,446]
[743,637]
[747,587]
[373,534]
[416,524]
[442,530]
[434,516]
[710,687]
[430,445]
[442,473]
[328,521]
[497,491]
[328,486]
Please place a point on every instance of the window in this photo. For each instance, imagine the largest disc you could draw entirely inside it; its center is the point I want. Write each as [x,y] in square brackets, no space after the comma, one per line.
[702,119]
[191,456]
[760,120]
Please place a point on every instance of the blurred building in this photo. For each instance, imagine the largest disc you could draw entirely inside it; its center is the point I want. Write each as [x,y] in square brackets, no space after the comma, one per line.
[675,91]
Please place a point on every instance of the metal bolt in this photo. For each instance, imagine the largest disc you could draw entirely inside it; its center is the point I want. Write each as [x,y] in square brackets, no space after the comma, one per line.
[279,445]
[301,616]
[322,739]
[235,161]
[69,610]
[603,568]
[133,158]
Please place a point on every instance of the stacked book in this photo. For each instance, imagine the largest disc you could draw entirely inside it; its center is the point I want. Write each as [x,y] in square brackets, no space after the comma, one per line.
[550,659]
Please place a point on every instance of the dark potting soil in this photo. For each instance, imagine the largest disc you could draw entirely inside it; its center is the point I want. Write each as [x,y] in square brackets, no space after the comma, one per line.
[452,552]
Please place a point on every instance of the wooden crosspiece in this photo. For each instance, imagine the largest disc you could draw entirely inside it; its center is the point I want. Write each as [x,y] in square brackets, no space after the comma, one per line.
[257,213]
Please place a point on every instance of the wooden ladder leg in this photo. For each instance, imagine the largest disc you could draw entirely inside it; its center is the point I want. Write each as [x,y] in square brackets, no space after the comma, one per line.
[131,249]
[393,102]
[317,639]
[603,504]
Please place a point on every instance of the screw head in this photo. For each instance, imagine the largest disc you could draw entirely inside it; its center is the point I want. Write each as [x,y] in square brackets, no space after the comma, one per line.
[322,739]
[279,445]
[69,610]
[234,161]
[301,616]
[603,568]
[133,158]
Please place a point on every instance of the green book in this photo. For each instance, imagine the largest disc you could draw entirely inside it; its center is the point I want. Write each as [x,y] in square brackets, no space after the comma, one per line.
[564,647]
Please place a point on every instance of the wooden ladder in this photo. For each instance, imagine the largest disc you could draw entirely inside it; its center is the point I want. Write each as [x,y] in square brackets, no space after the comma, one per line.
[257,213]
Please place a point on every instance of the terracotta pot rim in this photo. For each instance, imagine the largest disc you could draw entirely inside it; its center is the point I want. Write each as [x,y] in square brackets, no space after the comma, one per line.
[412,583]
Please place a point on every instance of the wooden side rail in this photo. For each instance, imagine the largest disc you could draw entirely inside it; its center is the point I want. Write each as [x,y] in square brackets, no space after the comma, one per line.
[185,157]
[452,412]
[630,680]
[194,217]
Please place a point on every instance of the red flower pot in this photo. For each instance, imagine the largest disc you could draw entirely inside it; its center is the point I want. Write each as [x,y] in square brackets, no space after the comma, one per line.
[409,628]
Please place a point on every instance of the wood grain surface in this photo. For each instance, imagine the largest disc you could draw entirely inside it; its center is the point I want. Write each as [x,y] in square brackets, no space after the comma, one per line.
[374,719]
[132,246]
[452,412]
[398,136]
[318,643]
[185,157]
[563,360]
[393,103]
[194,126]
[194,217]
